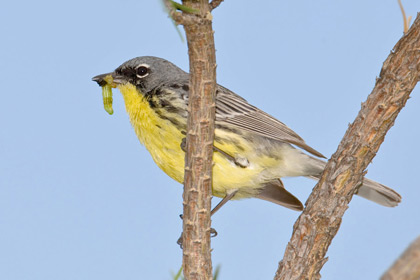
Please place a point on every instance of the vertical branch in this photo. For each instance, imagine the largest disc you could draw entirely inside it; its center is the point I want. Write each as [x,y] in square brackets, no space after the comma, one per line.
[199,157]
[321,219]
[197,21]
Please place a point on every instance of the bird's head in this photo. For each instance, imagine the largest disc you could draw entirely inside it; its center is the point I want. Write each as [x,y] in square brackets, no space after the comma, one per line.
[145,72]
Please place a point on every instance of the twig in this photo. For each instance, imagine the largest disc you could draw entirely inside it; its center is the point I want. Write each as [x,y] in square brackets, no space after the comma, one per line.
[187,17]
[406,21]
[320,221]
[215,3]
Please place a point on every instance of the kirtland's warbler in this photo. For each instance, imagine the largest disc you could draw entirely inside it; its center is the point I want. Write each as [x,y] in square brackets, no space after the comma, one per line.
[252,150]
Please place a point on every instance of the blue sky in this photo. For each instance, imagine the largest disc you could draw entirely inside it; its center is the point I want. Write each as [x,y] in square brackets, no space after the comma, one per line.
[80,198]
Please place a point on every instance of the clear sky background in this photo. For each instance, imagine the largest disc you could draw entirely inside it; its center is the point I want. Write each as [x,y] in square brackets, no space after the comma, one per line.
[80,198]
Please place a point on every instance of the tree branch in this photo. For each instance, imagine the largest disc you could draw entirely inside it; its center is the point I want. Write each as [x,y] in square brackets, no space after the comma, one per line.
[215,3]
[199,146]
[407,266]
[320,221]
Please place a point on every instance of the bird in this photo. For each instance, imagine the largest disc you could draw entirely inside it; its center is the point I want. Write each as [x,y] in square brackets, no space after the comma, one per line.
[253,150]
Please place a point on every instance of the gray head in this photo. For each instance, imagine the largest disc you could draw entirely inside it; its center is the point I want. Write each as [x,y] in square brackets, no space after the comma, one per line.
[145,72]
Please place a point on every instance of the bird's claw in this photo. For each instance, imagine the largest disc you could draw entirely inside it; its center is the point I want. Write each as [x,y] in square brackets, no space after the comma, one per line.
[213,233]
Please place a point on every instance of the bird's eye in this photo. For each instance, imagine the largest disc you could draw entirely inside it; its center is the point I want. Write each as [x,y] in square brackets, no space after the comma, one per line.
[142,71]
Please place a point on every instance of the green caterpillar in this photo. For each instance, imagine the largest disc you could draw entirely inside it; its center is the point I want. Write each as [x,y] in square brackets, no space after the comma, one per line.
[107,94]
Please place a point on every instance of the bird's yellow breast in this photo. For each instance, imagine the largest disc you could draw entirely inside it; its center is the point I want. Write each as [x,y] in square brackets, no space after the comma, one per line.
[163,140]
[160,137]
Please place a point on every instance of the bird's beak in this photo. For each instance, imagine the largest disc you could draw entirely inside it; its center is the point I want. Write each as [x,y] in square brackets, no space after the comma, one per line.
[116,79]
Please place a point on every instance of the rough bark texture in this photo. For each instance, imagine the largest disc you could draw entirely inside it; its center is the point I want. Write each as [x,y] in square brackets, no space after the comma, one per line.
[407,267]
[215,3]
[198,162]
[320,221]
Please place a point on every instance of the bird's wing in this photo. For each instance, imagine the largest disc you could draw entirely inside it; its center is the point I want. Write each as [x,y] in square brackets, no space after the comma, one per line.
[235,111]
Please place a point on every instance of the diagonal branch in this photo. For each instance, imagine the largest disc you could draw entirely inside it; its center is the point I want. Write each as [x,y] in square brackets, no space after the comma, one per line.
[407,266]
[320,221]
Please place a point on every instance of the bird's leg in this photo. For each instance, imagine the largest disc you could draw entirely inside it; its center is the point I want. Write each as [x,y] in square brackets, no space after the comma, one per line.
[213,232]
[239,161]
[228,197]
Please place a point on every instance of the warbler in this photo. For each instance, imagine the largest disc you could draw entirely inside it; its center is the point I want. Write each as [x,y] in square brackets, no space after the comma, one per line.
[252,149]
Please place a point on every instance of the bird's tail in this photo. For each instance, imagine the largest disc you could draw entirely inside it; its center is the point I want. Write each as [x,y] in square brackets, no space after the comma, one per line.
[379,193]
[370,190]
